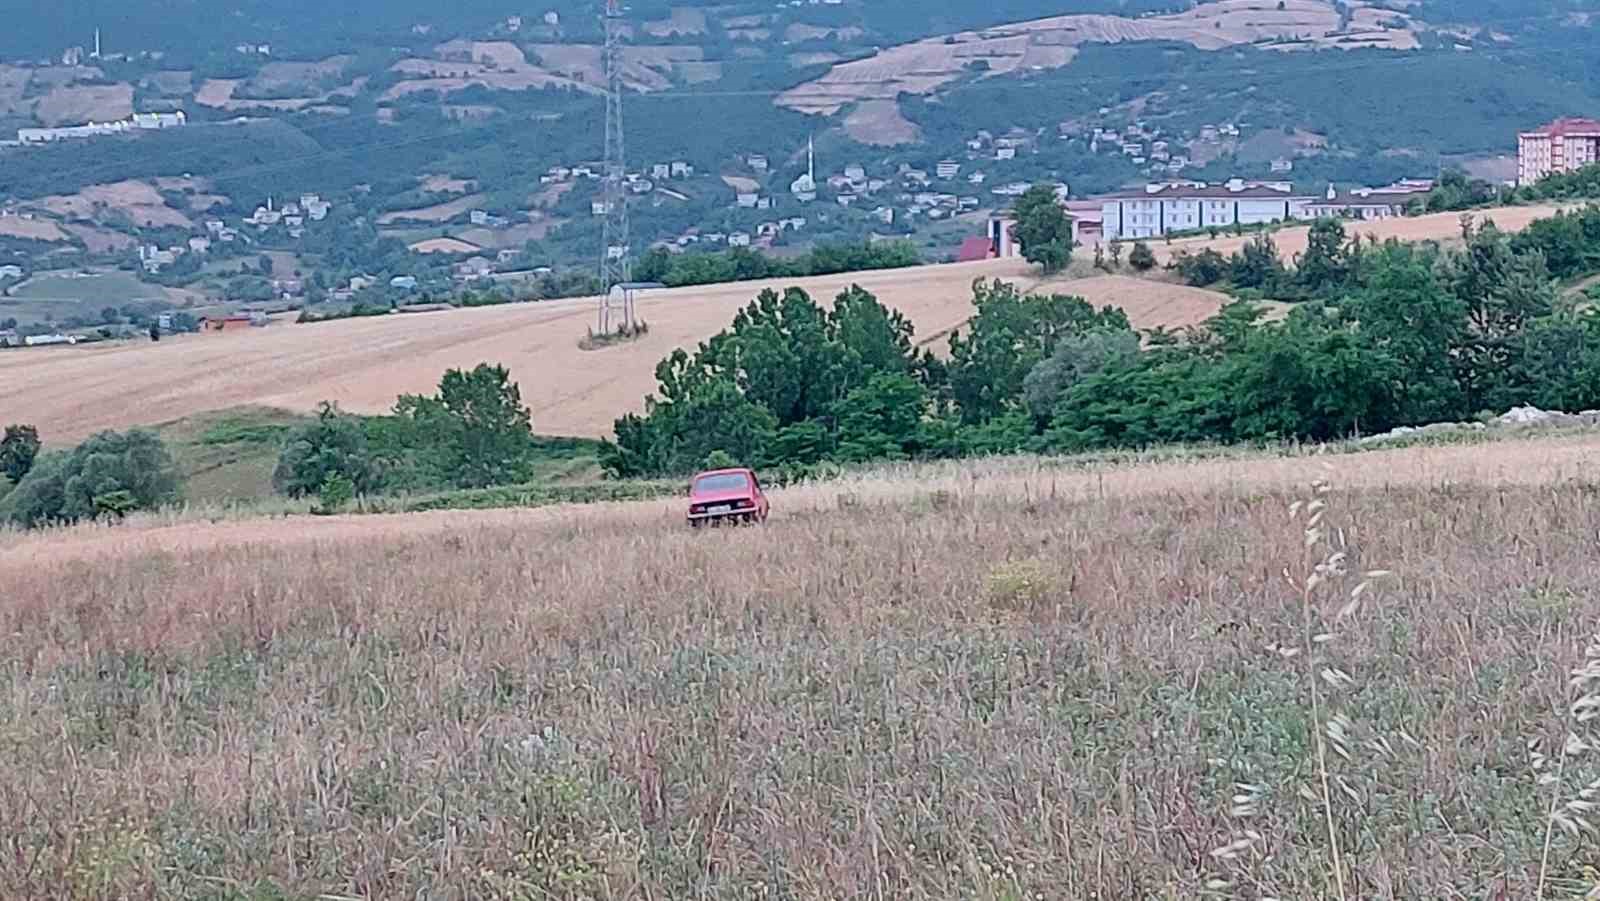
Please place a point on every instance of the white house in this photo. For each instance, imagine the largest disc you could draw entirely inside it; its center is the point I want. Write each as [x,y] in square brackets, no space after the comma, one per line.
[1166,207]
[947,169]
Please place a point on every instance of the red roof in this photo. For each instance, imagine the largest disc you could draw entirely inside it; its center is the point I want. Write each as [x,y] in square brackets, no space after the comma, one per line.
[1570,126]
[972,249]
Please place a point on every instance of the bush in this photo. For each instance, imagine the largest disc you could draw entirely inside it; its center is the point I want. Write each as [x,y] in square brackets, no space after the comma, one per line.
[1203,269]
[1142,257]
[335,446]
[18,449]
[111,474]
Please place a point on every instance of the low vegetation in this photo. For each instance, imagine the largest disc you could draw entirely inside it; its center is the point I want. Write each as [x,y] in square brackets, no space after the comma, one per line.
[743,264]
[1383,336]
[952,691]
[109,476]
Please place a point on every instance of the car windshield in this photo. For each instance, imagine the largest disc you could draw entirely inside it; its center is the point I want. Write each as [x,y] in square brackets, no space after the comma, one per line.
[717,484]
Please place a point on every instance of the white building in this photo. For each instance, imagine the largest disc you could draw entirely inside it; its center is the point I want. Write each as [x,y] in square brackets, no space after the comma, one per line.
[804,188]
[1368,204]
[947,169]
[1167,207]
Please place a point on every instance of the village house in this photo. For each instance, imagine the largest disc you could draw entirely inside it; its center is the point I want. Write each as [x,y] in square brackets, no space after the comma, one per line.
[757,162]
[472,269]
[404,282]
[947,169]
[661,170]
[199,245]
[739,239]
[746,200]
[681,170]
[10,271]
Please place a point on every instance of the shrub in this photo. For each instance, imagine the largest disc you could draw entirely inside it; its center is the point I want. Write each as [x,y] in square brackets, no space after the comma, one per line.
[18,449]
[1142,257]
[333,446]
[111,474]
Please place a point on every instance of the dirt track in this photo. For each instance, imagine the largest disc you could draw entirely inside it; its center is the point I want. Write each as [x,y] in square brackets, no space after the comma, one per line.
[364,363]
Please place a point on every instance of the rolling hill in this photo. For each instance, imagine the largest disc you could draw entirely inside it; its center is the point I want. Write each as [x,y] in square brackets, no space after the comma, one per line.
[364,363]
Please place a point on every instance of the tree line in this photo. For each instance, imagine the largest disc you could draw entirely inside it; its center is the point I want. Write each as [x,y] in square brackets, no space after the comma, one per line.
[1383,336]
[743,264]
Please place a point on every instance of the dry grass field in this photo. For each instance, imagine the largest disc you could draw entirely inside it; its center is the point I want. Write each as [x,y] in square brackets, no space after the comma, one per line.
[364,363]
[1442,227]
[141,202]
[924,66]
[1004,680]
[85,103]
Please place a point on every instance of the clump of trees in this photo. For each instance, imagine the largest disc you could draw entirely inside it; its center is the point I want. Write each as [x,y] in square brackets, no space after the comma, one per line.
[1385,335]
[108,476]
[1043,229]
[475,432]
[742,264]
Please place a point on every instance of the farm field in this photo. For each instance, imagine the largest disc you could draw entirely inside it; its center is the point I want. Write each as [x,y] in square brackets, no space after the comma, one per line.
[108,287]
[1443,227]
[922,67]
[364,363]
[1003,679]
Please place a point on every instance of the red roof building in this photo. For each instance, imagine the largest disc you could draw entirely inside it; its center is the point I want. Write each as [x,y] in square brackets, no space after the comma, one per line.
[1564,145]
[973,249]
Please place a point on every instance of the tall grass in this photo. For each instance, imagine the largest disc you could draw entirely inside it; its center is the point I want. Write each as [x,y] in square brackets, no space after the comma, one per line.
[962,684]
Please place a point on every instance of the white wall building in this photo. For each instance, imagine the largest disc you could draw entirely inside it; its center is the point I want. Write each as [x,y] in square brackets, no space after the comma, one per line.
[1167,207]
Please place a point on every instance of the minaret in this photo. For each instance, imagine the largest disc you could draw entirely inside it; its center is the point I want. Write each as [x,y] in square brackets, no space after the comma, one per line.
[97,43]
[811,159]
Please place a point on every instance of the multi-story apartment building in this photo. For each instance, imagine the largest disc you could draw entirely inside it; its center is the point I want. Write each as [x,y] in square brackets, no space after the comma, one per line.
[1166,207]
[1561,146]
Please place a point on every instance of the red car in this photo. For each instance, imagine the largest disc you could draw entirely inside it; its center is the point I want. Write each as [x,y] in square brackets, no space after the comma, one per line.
[727,495]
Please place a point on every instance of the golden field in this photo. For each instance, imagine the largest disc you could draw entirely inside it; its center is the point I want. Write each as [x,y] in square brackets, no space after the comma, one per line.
[1003,679]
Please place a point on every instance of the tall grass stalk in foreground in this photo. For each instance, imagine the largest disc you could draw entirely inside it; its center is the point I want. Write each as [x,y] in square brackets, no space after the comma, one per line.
[1573,815]
[1325,567]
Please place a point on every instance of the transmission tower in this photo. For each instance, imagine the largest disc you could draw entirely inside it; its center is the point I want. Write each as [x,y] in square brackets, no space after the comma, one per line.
[614,251]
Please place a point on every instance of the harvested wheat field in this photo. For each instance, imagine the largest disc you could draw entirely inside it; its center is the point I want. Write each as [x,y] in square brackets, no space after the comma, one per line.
[1002,680]
[1443,227]
[364,363]
[924,66]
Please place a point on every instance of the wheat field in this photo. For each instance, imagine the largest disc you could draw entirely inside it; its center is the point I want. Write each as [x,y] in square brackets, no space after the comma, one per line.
[362,364]
[1009,679]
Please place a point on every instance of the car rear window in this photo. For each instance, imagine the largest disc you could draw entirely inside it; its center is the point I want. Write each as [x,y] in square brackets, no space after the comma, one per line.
[732,481]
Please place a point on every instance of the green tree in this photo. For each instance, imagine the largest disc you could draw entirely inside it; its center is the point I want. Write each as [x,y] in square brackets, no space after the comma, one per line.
[19,448]
[881,419]
[476,429]
[110,473]
[1203,269]
[1257,265]
[1076,358]
[1142,258]
[335,445]
[1007,337]
[1324,267]
[1043,229]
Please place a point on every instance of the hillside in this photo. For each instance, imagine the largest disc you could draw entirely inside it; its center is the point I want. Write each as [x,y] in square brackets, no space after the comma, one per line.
[364,363]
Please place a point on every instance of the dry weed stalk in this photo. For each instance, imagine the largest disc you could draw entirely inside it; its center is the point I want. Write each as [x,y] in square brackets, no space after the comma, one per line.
[1574,815]
[1325,567]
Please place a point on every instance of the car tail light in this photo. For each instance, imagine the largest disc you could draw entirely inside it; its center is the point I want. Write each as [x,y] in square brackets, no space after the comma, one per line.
[697,508]
[741,504]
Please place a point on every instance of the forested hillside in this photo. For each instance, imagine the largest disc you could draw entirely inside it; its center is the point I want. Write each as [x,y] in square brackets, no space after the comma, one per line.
[439,133]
